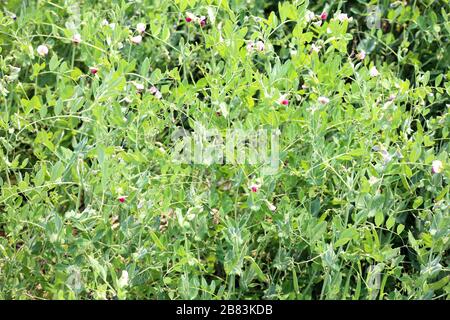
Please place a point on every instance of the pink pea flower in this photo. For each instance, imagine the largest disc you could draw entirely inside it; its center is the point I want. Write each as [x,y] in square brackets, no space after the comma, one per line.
[202,21]
[324,16]
[76,39]
[309,16]
[190,17]
[93,70]
[260,45]
[254,188]
[121,199]
[153,90]
[323,100]
[139,87]
[136,39]
[140,27]
[283,100]
[250,46]
[374,72]
[361,55]
[42,50]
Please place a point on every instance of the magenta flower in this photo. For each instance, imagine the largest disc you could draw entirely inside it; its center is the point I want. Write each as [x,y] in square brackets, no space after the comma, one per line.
[202,21]
[283,100]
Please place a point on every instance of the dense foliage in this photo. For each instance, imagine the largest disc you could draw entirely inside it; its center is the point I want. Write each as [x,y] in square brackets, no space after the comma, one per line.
[92,204]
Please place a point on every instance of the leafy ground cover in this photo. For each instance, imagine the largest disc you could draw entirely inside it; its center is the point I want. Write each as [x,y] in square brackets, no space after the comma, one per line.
[93,206]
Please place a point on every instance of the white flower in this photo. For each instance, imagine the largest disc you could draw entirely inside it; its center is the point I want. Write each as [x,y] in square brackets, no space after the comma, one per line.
[323,100]
[140,27]
[271,206]
[388,104]
[315,48]
[374,72]
[76,39]
[42,50]
[343,17]
[386,156]
[361,55]
[260,45]
[250,46]
[373,180]
[126,100]
[136,39]
[104,22]
[153,90]
[139,86]
[123,281]
[309,16]
[437,166]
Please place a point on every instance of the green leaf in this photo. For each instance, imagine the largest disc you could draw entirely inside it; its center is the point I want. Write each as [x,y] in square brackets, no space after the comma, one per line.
[257,269]
[145,66]
[379,218]
[390,222]
[346,236]
[158,242]
[54,62]
[415,153]
[417,202]
[76,73]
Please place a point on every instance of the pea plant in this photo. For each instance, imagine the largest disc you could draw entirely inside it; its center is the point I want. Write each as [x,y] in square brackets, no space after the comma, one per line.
[214,149]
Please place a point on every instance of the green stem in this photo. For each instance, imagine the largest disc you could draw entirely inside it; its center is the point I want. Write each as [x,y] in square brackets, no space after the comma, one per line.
[73,57]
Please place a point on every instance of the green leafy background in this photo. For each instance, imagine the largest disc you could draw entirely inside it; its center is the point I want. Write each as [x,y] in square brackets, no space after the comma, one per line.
[348,223]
